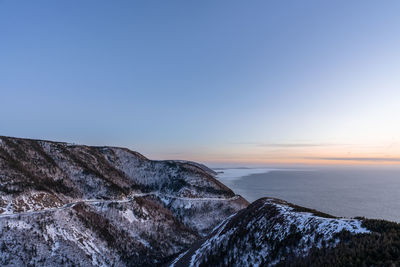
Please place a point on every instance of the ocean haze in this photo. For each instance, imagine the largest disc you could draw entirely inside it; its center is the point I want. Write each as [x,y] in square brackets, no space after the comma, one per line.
[372,193]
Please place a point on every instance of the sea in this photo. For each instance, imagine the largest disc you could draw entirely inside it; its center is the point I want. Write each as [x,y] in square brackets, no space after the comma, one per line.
[343,192]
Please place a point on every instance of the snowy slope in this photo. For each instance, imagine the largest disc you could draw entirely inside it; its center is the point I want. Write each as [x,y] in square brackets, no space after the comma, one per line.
[71,205]
[98,206]
[269,231]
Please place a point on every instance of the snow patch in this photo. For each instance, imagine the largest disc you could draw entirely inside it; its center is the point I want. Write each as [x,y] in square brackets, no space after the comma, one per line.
[128,214]
[19,224]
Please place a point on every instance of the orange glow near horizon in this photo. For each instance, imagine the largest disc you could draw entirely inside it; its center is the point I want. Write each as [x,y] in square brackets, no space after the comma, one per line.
[300,155]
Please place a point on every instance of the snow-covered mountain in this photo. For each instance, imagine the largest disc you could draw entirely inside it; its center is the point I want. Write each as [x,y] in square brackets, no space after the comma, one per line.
[272,232]
[64,204]
[72,205]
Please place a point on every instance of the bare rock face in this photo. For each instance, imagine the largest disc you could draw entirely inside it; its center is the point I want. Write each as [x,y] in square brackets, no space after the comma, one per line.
[63,204]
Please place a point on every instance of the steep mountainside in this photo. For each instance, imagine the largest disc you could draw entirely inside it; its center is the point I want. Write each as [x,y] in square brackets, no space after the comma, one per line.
[63,204]
[70,205]
[273,232]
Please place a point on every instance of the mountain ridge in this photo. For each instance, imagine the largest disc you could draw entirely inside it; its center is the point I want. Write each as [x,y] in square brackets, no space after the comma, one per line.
[273,232]
[63,204]
[131,198]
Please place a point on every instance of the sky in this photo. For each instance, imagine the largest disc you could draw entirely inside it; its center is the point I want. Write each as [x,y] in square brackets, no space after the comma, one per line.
[220,82]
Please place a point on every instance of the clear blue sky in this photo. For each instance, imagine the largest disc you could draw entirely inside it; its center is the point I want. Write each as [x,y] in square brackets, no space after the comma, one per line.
[230,81]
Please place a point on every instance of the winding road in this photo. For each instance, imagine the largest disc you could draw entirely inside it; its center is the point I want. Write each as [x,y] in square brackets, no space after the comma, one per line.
[103,201]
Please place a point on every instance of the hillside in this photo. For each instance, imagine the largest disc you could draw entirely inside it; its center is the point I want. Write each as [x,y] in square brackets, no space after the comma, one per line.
[64,204]
[75,205]
[272,232]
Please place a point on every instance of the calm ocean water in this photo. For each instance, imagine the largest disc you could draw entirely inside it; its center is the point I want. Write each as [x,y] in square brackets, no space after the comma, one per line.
[372,193]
